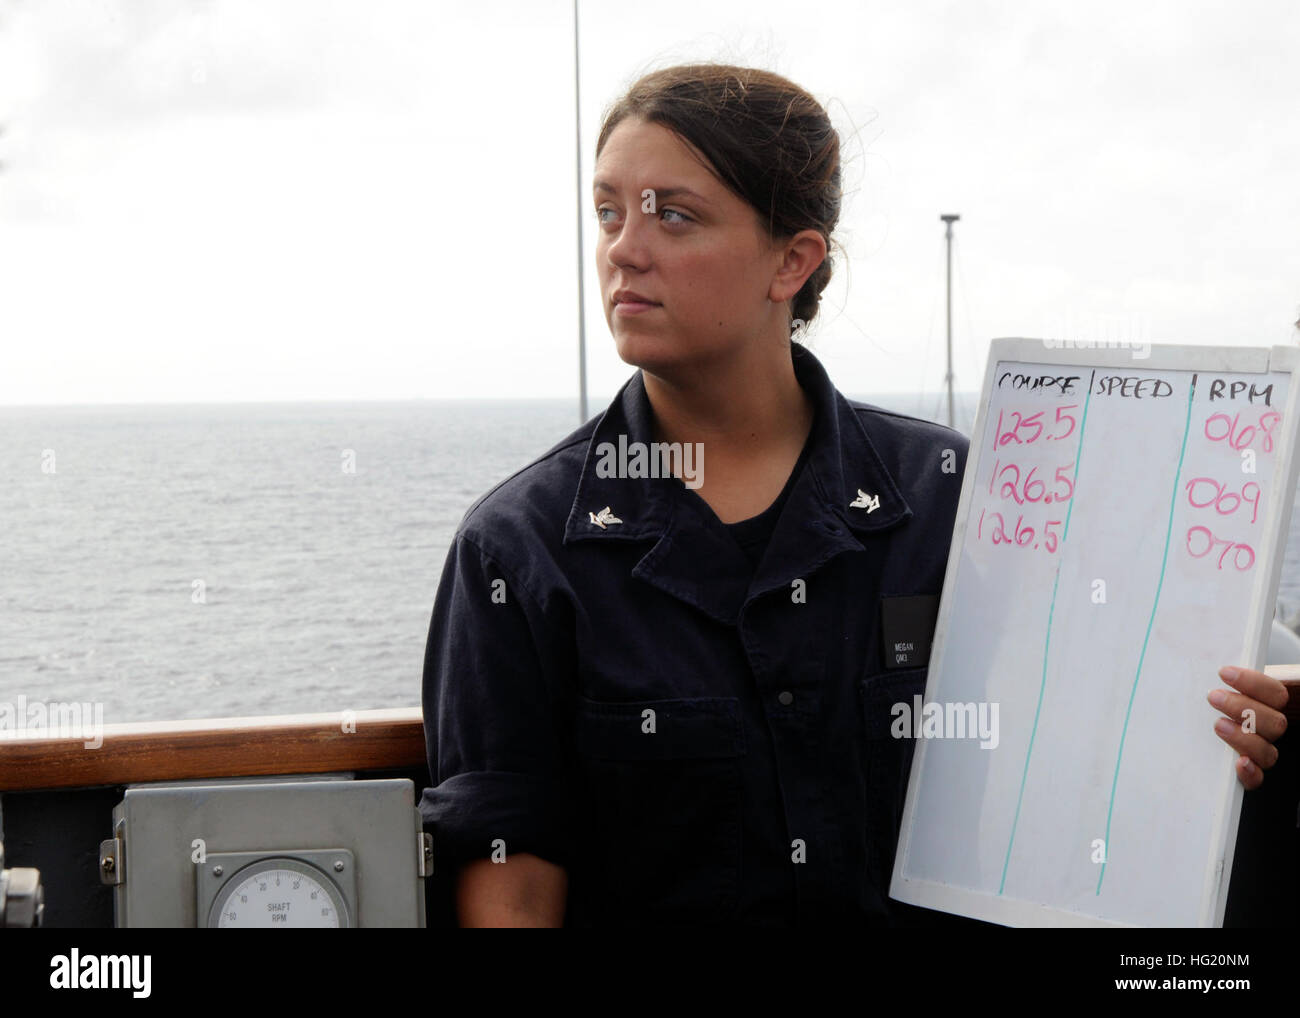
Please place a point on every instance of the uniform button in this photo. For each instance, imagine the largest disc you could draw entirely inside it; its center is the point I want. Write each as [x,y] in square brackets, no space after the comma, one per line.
[786,698]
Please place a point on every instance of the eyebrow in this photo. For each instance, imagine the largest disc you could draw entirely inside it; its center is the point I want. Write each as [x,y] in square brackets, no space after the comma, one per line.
[661,193]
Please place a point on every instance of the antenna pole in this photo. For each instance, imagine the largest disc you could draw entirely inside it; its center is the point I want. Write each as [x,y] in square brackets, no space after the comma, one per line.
[948,220]
[577,132]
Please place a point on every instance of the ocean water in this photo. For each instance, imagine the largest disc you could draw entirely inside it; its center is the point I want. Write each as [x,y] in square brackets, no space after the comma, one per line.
[179,562]
[218,560]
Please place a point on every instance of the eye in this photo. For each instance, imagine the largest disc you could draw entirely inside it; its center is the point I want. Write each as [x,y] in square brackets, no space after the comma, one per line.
[681,216]
[600,215]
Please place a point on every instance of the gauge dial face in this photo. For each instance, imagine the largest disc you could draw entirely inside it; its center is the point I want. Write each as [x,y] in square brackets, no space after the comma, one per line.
[279,892]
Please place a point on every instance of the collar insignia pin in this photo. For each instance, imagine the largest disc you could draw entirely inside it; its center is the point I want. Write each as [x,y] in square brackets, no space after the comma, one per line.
[603,517]
[864,501]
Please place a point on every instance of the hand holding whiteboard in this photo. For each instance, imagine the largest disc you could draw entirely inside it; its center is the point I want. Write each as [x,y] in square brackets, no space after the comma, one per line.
[1119,538]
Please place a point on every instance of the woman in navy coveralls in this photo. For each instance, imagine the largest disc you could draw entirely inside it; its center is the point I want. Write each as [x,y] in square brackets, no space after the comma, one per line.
[659,699]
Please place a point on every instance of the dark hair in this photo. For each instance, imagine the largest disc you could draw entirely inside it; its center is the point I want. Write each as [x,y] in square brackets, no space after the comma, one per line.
[768,141]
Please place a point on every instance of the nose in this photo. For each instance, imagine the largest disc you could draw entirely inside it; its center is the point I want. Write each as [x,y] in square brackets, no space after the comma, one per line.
[629,247]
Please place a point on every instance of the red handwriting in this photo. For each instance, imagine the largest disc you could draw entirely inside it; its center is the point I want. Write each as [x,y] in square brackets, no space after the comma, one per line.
[1222,428]
[1024,430]
[1039,485]
[1021,535]
[1032,489]
[1210,541]
[1224,497]
[1015,485]
[1212,493]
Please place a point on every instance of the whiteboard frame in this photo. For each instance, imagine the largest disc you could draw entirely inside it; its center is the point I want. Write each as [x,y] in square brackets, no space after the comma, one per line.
[1163,357]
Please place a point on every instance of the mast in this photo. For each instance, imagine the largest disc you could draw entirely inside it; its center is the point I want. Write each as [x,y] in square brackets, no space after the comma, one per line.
[948,220]
[577,133]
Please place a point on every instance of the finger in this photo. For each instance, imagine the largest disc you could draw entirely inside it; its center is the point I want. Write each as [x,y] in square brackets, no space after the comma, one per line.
[1250,713]
[1257,685]
[1248,774]
[1262,752]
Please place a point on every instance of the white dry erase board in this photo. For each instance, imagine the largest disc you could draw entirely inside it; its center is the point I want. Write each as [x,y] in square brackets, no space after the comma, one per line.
[1119,539]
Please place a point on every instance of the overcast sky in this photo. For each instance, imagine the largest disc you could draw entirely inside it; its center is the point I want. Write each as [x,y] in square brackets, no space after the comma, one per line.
[262,199]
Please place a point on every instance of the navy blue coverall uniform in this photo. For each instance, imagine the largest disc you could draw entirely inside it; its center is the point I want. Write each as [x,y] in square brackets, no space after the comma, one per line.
[692,718]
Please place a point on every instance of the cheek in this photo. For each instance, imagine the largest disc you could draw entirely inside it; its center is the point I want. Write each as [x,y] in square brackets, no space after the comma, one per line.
[724,268]
[710,298]
[704,277]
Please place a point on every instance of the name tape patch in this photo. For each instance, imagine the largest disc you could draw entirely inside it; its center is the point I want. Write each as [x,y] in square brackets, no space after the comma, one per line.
[907,629]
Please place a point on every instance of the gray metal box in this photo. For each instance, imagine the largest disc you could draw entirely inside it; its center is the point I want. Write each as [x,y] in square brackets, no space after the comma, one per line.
[177,842]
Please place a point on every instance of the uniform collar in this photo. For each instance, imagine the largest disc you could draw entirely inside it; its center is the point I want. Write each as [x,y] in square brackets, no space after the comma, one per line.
[820,518]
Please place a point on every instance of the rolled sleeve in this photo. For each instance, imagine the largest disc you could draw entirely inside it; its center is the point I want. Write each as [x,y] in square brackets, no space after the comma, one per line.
[494,718]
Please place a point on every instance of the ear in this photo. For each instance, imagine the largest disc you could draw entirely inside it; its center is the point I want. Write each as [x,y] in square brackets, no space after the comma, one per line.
[800,256]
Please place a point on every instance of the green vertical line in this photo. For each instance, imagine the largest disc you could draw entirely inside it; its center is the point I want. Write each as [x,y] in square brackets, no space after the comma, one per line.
[1173,498]
[1047,640]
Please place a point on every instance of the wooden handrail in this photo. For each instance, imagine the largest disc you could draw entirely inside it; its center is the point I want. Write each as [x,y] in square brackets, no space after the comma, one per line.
[214,748]
[252,746]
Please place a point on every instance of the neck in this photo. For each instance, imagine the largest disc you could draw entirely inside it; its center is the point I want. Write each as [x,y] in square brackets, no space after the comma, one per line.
[749,404]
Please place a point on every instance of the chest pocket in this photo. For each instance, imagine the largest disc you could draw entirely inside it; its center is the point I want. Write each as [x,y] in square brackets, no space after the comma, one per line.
[665,784]
[888,761]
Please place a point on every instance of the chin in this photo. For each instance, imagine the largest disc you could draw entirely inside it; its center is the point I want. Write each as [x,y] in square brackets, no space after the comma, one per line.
[673,357]
[646,350]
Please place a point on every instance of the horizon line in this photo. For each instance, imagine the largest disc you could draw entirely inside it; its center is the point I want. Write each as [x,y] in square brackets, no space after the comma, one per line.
[401,399]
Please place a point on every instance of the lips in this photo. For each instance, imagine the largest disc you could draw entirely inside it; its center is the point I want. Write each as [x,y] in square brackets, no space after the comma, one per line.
[632,297]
